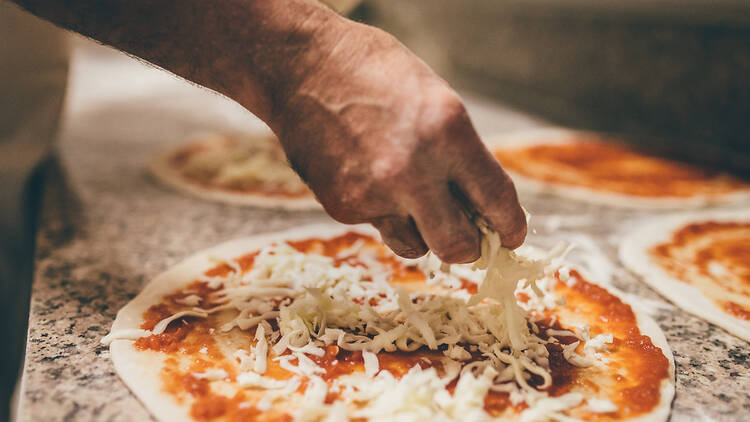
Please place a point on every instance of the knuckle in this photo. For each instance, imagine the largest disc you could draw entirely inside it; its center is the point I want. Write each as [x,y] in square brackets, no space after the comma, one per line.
[516,234]
[342,208]
[503,190]
[388,171]
[408,252]
[414,253]
[341,215]
[400,241]
[453,109]
[457,255]
[443,112]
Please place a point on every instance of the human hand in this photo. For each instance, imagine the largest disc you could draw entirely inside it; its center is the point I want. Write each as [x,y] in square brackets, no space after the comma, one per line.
[380,138]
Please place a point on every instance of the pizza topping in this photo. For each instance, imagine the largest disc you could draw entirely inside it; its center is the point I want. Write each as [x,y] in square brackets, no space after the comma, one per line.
[242,165]
[323,301]
[372,365]
[418,395]
[252,379]
[714,257]
[159,328]
[290,387]
[552,408]
[600,405]
[456,352]
[162,325]
[190,300]
[127,334]
[609,166]
[260,351]
[354,344]
[597,344]
[503,272]
[211,375]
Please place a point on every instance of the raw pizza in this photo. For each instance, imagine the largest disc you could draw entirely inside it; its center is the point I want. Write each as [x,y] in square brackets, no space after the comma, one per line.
[238,169]
[700,261]
[325,323]
[586,167]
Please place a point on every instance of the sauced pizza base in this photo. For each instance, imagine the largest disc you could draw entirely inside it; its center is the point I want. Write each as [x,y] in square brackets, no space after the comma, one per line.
[179,158]
[611,167]
[631,379]
[713,257]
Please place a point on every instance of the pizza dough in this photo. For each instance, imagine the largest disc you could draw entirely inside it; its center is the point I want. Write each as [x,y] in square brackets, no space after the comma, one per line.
[581,166]
[699,261]
[187,351]
[237,169]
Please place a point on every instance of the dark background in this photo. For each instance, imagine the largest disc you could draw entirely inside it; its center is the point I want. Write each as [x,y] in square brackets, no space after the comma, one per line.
[672,77]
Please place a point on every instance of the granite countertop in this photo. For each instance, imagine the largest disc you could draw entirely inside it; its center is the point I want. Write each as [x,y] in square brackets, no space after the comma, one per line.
[107,229]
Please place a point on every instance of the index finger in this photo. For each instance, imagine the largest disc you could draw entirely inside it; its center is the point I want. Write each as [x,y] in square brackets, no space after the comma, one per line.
[490,191]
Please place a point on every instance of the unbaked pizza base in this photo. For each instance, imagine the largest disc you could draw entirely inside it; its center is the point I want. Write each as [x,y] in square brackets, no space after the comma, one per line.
[163,172]
[634,254]
[557,136]
[139,369]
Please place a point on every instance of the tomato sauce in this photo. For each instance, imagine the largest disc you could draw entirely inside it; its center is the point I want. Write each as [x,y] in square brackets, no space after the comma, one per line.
[195,386]
[737,310]
[330,247]
[183,155]
[714,257]
[637,366]
[338,362]
[204,179]
[608,166]
[401,272]
[212,406]
[469,286]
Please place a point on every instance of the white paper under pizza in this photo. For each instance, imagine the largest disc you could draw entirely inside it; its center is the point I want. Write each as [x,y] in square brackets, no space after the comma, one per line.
[634,253]
[256,159]
[555,136]
[143,370]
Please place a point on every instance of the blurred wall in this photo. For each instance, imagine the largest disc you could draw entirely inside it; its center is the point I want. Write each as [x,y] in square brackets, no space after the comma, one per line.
[673,77]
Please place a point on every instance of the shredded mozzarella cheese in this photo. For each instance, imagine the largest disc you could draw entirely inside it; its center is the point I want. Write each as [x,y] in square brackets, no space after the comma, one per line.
[128,334]
[600,405]
[251,379]
[162,325]
[372,365]
[211,374]
[488,340]
[240,162]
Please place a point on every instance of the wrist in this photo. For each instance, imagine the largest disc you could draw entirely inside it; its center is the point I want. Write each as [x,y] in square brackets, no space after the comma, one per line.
[290,42]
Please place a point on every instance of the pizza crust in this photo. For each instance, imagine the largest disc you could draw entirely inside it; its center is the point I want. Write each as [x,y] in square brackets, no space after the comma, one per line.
[164,173]
[634,254]
[647,326]
[557,136]
[139,369]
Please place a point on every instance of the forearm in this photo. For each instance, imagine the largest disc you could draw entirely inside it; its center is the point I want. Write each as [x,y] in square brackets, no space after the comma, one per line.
[253,51]
[377,135]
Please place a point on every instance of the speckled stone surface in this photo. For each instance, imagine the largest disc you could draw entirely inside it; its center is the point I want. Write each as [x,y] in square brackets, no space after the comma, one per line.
[107,229]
